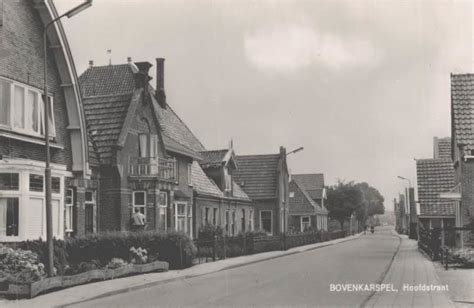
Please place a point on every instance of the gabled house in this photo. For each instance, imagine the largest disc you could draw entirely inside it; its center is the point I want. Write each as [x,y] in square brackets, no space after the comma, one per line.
[435,176]
[462,151]
[265,179]
[22,129]
[307,195]
[218,199]
[142,151]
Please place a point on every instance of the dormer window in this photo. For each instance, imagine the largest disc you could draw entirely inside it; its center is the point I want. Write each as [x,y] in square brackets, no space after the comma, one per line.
[22,109]
[227,180]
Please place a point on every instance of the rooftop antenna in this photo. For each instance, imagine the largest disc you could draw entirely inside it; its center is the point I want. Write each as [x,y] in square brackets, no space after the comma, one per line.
[109,52]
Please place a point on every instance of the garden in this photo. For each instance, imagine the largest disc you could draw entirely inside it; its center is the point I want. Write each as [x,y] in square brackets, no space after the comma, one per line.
[90,258]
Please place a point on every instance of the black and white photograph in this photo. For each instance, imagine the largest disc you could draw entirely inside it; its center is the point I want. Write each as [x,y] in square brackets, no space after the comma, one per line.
[236,153]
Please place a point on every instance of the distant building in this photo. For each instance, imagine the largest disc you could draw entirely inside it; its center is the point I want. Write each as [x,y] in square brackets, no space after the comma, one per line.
[264,178]
[218,199]
[307,195]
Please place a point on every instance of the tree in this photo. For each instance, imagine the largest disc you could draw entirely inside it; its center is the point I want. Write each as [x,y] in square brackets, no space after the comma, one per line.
[372,202]
[343,199]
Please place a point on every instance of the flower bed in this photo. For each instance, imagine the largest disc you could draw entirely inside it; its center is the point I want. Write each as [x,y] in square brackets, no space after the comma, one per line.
[12,289]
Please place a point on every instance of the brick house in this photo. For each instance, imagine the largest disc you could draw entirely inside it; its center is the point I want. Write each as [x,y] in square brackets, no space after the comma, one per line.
[462,151]
[434,177]
[141,152]
[265,179]
[22,137]
[307,195]
[218,199]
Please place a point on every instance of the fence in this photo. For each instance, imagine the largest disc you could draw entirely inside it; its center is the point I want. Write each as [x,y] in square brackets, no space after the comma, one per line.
[430,242]
[224,247]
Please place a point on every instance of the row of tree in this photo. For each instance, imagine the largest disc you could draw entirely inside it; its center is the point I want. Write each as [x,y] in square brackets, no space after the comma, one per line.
[347,198]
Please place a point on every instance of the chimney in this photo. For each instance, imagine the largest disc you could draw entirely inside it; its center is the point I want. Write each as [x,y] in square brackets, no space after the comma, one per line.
[141,77]
[160,94]
[129,60]
[91,63]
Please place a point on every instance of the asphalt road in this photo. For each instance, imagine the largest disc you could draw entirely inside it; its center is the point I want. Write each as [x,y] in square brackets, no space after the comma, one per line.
[296,280]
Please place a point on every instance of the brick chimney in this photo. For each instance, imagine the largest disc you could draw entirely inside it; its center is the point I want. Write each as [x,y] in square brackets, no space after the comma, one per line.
[160,94]
[141,77]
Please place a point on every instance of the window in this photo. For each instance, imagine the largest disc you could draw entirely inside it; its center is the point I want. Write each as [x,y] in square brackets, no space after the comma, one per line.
[243,221]
[89,214]
[56,185]
[227,179]
[266,221]
[147,145]
[36,182]
[251,220]
[233,223]
[23,109]
[206,216]
[139,201]
[68,210]
[305,223]
[9,181]
[214,216]
[163,206]
[190,175]
[292,194]
[227,218]
[184,218]
[9,216]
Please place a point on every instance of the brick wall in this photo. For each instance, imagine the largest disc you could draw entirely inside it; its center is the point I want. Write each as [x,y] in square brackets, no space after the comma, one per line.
[21,59]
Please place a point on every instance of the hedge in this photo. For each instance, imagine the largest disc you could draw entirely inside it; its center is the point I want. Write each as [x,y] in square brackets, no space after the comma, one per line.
[176,248]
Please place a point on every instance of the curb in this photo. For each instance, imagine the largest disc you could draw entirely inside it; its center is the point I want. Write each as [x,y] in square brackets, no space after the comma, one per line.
[156,283]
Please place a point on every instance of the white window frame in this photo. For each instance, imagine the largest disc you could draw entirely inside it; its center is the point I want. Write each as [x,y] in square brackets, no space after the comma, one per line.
[163,206]
[24,169]
[13,237]
[251,220]
[26,110]
[190,175]
[69,207]
[134,205]
[271,220]
[301,222]
[187,210]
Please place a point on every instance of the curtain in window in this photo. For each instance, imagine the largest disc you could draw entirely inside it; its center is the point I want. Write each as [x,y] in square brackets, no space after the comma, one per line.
[143,143]
[4,102]
[3,217]
[18,110]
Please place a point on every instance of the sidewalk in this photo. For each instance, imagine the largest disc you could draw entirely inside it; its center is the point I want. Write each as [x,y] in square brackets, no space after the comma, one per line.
[122,285]
[461,284]
[411,268]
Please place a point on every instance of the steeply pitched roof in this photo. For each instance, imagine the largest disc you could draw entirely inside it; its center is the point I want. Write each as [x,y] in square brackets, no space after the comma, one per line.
[462,103]
[107,92]
[107,80]
[257,175]
[213,158]
[202,184]
[238,192]
[105,116]
[305,205]
[313,184]
[434,176]
[442,148]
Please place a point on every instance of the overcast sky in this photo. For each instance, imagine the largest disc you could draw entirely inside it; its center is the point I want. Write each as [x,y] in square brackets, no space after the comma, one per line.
[364,86]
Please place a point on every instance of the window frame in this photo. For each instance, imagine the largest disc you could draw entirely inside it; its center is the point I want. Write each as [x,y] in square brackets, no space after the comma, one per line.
[188,215]
[302,223]
[17,189]
[134,205]
[69,207]
[26,129]
[271,221]
[19,218]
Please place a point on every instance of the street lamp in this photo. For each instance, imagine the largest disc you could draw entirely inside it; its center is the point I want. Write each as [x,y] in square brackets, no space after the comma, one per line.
[295,150]
[47,171]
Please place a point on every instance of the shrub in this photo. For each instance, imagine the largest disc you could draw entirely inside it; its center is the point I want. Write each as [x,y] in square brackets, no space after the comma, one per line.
[41,249]
[21,266]
[208,232]
[464,256]
[116,263]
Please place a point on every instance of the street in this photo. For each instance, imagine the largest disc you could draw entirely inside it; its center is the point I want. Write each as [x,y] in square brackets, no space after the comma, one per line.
[301,279]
